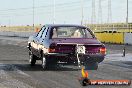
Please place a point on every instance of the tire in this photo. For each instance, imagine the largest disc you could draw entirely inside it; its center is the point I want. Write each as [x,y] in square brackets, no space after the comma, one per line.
[48,63]
[32,59]
[44,62]
[91,65]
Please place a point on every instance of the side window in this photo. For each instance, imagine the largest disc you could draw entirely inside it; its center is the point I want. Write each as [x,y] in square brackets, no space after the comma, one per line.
[52,33]
[44,33]
[40,32]
[55,34]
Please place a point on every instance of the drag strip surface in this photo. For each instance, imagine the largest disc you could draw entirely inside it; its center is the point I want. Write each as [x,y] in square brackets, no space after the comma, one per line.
[15,70]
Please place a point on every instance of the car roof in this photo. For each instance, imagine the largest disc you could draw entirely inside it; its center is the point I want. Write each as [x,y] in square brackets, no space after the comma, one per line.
[65,25]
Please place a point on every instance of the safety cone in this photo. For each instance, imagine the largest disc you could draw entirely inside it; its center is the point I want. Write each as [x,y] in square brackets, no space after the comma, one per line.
[84,80]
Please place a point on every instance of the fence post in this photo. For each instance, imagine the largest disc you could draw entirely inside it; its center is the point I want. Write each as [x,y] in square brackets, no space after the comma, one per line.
[124,48]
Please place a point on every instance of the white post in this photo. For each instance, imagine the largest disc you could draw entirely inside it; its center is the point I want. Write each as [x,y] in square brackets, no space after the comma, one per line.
[127,13]
[82,12]
[54,13]
[33,14]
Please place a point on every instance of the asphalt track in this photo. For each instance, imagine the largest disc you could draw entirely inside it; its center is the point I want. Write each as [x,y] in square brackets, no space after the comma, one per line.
[15,71]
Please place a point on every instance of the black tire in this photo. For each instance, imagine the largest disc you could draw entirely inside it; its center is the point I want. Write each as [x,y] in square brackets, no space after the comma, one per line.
[32,59]
[91,65]
[85,82]
[48,63]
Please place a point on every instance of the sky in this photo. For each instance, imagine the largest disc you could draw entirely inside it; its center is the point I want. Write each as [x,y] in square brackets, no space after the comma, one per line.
[20,12]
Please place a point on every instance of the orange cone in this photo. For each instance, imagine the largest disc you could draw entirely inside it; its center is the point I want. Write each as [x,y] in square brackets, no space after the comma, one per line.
[37,30]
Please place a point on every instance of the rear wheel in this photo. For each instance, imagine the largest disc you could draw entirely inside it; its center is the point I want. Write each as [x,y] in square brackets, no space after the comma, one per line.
[32,59]
[44,62]
[49,62]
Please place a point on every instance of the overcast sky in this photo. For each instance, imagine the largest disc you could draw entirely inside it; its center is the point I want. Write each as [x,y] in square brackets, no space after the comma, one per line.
[20,12]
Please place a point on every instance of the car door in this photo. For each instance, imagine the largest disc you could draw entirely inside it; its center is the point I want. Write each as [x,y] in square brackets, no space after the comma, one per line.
[36,42]
[42,40]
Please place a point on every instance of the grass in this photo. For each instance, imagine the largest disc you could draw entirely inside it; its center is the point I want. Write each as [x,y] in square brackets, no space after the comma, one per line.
[20,28]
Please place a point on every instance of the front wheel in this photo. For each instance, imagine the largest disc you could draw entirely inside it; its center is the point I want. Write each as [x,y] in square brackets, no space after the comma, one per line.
[32,59]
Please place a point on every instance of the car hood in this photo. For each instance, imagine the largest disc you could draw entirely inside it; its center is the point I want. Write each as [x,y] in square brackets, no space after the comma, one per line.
[75,41]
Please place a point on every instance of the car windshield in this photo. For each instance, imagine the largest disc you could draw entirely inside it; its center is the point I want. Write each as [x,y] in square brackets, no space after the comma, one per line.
[71,32]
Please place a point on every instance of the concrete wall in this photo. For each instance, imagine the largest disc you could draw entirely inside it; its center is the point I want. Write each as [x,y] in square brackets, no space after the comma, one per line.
[111,37]
[119,38]
[128,38]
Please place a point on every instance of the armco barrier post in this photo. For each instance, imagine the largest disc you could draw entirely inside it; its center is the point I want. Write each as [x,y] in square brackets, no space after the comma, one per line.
[124,48]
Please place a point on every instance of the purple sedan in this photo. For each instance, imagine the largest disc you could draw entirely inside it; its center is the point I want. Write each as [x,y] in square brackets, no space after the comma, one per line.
[67,45]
